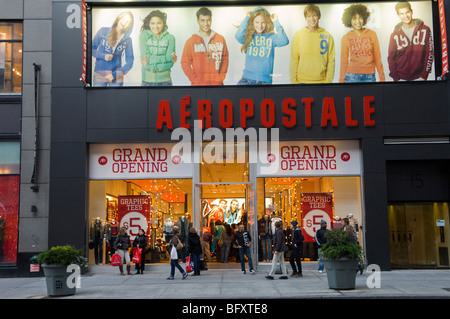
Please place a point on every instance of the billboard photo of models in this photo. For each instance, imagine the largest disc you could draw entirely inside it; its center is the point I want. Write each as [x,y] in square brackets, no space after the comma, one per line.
[263,45]
[221,218]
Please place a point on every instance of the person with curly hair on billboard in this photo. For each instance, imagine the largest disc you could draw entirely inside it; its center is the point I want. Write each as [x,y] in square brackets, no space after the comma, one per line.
[109,46]
[258,39]
[205,54]
[157,50]
[360,49]
[312,51]
[410,54]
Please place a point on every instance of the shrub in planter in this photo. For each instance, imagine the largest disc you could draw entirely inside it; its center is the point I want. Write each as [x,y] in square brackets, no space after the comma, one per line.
[341,259]
[54,262]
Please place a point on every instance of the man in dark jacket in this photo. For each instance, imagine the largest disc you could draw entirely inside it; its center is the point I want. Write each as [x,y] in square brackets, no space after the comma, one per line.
[242,240]
[296,250]
[320,240]
[279,247]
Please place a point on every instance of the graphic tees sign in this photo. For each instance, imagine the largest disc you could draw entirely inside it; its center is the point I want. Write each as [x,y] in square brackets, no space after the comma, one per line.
[134,214]
[315,207]
[313,158]
[135,161]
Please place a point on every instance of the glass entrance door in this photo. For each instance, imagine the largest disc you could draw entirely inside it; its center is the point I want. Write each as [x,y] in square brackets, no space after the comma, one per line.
[419,234]
[225,203]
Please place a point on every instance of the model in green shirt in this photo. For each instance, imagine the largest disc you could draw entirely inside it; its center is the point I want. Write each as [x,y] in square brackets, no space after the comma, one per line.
[157,50]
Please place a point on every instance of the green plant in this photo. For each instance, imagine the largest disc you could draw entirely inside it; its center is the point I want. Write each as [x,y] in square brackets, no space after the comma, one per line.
[63,255]
[339,246]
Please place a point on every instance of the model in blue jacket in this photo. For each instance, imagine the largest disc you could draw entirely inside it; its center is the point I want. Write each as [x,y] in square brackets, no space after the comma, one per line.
[108,47]
[256,34]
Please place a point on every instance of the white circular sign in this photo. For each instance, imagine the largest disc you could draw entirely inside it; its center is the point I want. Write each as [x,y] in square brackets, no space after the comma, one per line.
[134,221]
[311,222]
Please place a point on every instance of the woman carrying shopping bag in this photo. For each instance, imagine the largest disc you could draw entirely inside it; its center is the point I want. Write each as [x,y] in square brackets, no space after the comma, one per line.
[140,241]
[121,246]
[173,246]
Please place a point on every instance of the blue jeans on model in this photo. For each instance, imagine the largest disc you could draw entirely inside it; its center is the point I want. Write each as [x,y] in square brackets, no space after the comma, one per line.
[320,260]
[174,263]
[252,82]
[355,77]
[266,242]
[242,252]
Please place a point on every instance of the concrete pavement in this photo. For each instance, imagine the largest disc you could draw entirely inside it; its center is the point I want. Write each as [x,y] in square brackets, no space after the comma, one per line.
[225,282]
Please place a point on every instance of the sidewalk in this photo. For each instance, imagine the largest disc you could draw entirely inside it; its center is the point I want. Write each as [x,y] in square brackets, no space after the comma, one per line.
[104,282]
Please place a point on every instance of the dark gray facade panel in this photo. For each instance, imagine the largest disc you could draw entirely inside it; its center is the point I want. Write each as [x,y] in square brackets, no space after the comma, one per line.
[375,203]
[67,215]
[68,115]
[117,135]
[10,119]
[67,47]
[117,108]
[68,160]
[413,181]
[421,103]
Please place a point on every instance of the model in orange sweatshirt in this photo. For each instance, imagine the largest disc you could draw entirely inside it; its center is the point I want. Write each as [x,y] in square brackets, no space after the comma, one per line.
[205,55]
[360,49]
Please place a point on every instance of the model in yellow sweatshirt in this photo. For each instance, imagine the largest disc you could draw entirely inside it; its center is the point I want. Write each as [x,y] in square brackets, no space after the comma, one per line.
[312,56]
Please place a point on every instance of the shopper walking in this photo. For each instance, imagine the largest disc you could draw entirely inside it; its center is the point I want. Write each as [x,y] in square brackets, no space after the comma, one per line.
[172,247]
[242,239]
[207,238]
[195,250]
[320,240]
[121,246]
[140,242]
[227,239]
[296,250]
[217,244]
[279,247]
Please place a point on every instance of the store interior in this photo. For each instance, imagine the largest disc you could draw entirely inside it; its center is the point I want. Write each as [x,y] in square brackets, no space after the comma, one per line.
[171,199]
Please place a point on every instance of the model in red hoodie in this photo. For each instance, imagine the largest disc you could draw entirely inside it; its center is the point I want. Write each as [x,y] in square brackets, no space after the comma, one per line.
[410,58]
[205,63]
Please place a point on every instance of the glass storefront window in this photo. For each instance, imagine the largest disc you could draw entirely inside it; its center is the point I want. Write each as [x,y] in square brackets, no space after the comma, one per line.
[419,234]
[153,205]
[308,200]
[10,58]
[9,217]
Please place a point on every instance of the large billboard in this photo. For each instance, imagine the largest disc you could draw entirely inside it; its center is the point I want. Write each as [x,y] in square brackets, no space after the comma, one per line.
[263,45]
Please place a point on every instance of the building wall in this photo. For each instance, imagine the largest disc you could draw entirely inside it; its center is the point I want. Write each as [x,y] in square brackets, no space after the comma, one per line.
[87,115]
[37,44]
[72,116]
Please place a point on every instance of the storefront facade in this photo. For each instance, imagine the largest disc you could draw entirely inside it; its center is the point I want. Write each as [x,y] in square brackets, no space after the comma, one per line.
[378,152]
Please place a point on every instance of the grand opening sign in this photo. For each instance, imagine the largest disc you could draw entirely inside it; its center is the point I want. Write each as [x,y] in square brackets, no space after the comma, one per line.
[314,158]
[136,161]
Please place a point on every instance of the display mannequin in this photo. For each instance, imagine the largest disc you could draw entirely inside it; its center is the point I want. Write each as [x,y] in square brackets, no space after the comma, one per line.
[265,236]
[275,219]
[97,235]
[167,228]
[184,224]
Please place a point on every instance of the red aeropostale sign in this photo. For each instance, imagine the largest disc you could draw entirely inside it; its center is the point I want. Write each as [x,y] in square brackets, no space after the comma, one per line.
[269,109]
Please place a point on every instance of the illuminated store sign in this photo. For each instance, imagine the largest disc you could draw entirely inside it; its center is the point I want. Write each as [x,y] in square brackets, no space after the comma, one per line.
[314,158]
